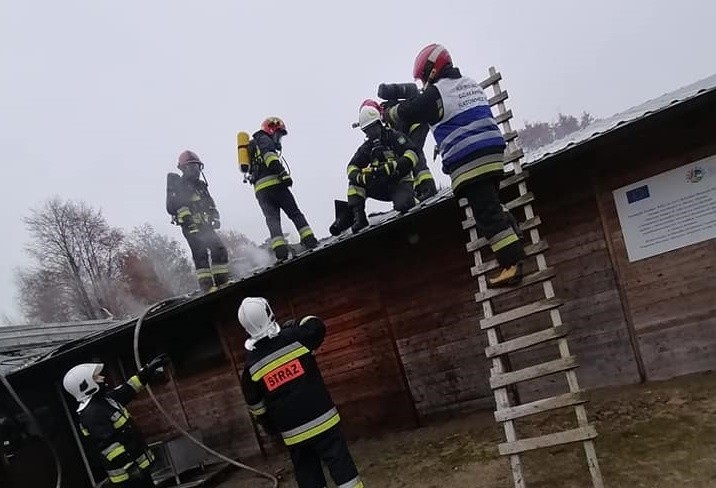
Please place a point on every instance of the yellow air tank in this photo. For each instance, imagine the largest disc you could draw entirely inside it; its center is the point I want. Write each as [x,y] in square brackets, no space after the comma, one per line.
[242,144]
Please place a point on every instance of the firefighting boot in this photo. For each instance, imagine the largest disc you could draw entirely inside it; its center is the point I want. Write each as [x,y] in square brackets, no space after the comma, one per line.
[510,276]
[310,242]
[344,218]
[206,283]
[281,252]
[360,220]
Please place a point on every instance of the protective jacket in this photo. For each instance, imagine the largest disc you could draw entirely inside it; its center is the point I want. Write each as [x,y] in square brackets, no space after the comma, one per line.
[457,109]
[266,167]
[376,162]
[283,386]
[189,201]
[108,424]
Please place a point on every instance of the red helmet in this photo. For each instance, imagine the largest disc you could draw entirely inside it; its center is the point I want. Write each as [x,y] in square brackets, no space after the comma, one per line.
[430,61]
[188,157]
[272,125]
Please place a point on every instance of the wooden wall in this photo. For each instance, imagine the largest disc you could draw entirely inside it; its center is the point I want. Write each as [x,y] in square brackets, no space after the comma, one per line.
[671,297]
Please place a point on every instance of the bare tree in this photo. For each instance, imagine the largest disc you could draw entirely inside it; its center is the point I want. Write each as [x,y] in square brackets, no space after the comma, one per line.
[76,266]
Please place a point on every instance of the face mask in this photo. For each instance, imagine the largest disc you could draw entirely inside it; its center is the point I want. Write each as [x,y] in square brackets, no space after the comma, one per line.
[373,132]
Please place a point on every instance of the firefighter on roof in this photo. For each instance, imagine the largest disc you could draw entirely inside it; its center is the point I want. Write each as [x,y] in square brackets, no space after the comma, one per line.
[381,168]
[286,394]
[104,419]
[471,146]
[191,206]
[272,185]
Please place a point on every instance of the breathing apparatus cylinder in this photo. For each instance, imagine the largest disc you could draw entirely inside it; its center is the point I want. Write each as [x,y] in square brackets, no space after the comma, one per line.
[242,144]
[398,91]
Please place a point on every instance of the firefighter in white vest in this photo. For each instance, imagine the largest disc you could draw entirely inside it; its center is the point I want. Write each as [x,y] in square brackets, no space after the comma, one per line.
[286,394]
[472,150]
[105,420]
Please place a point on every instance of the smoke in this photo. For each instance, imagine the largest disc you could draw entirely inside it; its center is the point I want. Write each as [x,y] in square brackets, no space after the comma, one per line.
[245,256]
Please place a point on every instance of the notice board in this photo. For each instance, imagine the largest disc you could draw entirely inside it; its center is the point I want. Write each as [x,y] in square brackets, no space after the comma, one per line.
[668,211]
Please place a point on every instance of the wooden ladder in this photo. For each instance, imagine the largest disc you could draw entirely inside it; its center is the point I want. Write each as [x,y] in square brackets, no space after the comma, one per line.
[503,379]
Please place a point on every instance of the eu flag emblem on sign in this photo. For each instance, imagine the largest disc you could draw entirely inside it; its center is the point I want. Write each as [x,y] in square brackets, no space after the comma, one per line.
[636,194]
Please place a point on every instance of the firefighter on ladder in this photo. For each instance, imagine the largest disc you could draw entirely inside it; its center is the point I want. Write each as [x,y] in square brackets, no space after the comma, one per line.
[106,422]
[472,149]
[286,394]
[272,184]
[381,168]
[191,207]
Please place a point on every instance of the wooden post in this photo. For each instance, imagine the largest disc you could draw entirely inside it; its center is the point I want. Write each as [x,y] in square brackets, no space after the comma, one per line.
[624,299]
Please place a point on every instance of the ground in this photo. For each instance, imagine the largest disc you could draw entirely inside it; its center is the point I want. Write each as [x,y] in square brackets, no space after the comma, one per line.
[655,435]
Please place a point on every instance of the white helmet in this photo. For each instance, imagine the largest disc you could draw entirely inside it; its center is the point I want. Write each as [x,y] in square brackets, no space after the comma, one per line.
[79,382]
[256,317]
[370,113]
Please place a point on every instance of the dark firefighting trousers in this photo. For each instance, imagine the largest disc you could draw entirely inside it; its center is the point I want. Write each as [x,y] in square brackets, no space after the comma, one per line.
[424,181]
[274,199]
[400,193]
[331,448]
[492,220]
[201,242]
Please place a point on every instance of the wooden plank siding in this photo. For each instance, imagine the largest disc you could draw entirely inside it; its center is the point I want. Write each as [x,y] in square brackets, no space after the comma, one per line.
[670,296]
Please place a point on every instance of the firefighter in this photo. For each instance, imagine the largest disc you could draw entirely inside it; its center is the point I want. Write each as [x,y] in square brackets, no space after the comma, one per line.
[381,168]
[272,185]
[472,149]
[285,393]
[191,207]
[105,420]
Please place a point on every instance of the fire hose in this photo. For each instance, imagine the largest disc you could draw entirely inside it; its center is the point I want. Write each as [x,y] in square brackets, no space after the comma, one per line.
[174,423]
[33,420]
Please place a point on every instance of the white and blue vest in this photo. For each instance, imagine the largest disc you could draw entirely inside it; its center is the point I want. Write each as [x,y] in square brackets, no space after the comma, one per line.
[467,126]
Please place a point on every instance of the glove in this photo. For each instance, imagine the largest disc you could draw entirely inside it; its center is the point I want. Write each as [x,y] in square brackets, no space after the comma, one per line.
[286,179]
[216,224]
[367,178]
[389,168]
[156,363]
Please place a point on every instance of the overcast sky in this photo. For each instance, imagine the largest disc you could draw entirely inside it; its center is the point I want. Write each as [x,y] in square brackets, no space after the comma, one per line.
[98,98]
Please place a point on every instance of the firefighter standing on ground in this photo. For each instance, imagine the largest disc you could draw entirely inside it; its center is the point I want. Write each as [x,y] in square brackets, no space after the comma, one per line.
[381,168]
[272,186]
[285,392]
[191,205]
[472,149]
[105,420]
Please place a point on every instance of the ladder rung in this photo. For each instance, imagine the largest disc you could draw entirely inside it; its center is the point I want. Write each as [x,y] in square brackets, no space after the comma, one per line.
[491,80]
[557,439]
[530,279]
[504,379]
[524,342]
[500,97]
[520,201]
[490,265]
[516,178]
[510,136]
[501,118]
[514,156]
[520,312]
[482,242]
[539,406]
